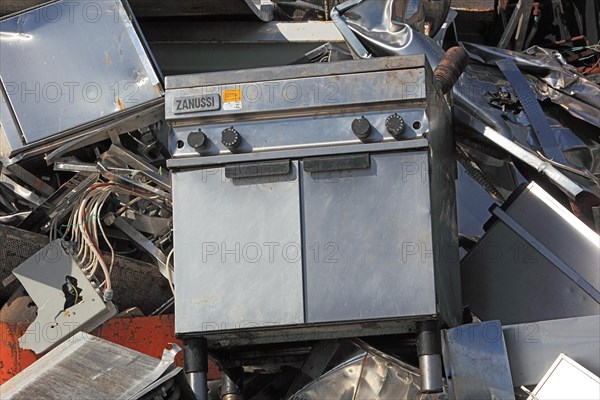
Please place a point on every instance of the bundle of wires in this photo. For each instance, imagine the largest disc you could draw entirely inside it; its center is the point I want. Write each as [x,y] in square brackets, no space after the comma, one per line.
[85,224]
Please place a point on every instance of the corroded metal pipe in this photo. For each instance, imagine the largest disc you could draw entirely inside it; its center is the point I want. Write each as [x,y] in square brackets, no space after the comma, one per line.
[450,68]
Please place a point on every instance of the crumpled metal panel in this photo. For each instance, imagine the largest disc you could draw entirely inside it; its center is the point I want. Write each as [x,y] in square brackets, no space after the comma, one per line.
[357,371]
[375,24]
[573,92]
[578,149]
[473,107]
[341,382]
[425,16]
[370,29]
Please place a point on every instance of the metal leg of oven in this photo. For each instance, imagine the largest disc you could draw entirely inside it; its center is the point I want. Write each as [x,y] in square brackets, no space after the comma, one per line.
[195,359]
[232,386]
[429,350]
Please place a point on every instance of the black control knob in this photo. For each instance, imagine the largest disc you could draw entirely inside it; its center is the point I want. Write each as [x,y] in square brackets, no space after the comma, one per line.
[361,127]
[196,139]
[395,126]
[231,138]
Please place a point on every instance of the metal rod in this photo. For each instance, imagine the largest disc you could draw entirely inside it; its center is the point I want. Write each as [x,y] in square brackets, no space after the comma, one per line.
[523,8]
[429,349]
[232,386]
[195,361]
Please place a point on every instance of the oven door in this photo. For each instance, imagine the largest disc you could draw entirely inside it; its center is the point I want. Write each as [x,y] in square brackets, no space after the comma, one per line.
[238,248]
[367,237]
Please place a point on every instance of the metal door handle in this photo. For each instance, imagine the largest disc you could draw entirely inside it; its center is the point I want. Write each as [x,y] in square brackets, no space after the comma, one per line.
[337,163]
[256,169]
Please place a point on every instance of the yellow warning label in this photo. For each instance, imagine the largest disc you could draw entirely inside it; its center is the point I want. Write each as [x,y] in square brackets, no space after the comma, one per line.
[232,95]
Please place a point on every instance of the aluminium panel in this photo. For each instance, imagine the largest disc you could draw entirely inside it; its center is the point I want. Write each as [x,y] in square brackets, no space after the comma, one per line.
[313,132]
[239,263]
[282,96]
[567,379]
[67,64]
[367,240]
[533,347]
[543,291]
[476,363]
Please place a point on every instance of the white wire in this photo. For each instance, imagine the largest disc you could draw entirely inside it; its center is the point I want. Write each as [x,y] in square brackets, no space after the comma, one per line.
[85,222]
[170,270]
[98,259]
[52,227]
[81,225]
[126,206]
[99,222]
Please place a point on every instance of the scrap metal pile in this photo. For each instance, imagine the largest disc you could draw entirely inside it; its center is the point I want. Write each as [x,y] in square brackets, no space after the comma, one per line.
[384,210]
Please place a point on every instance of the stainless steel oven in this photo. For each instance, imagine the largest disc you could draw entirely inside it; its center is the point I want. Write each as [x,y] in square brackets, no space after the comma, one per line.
[312,201]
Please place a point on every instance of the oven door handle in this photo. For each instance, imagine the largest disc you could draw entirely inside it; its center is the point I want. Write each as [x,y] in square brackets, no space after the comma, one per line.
[257,169]
[337,163]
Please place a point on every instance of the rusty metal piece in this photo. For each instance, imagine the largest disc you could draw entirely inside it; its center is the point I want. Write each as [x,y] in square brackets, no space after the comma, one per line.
[450,68]
[16,246]
[18,308]
[583,208]
[474,6]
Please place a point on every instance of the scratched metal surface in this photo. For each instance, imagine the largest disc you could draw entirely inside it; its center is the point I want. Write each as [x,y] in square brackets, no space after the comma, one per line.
[104,62]
[83,367]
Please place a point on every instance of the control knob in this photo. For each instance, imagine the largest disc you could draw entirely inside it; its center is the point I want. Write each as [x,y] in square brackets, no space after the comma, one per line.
[361,128]
[231,138]
[196,139]
[395,126]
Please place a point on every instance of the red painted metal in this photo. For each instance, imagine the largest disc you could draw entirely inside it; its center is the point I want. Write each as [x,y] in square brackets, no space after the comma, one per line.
[148,335]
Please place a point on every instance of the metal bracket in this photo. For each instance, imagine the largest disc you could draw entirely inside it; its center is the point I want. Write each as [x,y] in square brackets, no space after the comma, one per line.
[533,110]
[43,276]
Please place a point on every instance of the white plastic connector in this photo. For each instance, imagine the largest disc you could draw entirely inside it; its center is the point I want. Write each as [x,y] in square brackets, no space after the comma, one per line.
[107,295]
